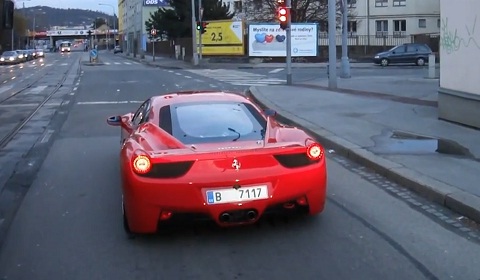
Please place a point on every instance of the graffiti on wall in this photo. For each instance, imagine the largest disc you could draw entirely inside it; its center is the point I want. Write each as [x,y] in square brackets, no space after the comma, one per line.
[451,40]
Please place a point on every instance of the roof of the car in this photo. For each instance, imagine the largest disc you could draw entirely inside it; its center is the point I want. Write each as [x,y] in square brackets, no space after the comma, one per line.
[197,96]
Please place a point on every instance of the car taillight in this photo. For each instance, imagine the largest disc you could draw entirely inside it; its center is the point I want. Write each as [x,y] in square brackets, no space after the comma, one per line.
[314,151]
[142,164]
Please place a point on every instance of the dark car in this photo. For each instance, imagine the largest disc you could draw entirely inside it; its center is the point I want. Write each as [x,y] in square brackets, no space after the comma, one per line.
[406,53]
[117,49]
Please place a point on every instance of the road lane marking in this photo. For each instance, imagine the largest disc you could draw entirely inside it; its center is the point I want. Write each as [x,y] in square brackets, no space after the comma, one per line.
[117,63]
[128,63]
[27,105]
[64,64]
[276,70]
[188,77]
[4,89]
[108,102]
[178,74]
[75,88]
[198,80]
[47,136]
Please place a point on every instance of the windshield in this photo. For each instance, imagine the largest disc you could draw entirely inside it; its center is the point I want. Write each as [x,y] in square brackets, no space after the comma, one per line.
[66,44]
[194,123]
[9,53]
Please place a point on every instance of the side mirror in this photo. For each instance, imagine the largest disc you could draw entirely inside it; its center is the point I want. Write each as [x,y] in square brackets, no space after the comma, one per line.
[114,120]
[270,112]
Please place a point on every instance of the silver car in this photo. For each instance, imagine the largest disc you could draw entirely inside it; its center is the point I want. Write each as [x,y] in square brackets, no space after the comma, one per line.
[11,57]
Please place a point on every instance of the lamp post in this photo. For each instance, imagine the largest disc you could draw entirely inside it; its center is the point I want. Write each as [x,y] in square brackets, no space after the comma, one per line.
[114,22]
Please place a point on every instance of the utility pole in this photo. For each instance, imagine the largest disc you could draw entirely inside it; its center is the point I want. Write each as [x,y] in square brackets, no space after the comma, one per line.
[200,19]
[332,45]
[194,36]
[345,60]
[289,42]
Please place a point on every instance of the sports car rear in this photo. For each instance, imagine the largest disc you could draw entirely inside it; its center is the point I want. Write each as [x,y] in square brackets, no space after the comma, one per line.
[230,187]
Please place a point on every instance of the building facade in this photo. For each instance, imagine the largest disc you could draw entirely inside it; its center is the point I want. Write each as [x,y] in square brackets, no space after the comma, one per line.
[133,17]
[459,93]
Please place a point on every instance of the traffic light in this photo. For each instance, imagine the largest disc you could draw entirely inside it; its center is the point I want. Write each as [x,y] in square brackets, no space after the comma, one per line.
[204,27]
[283,17]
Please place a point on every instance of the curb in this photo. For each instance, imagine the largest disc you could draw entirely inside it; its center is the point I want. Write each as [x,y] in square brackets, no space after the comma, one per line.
[151,64]
[446,195]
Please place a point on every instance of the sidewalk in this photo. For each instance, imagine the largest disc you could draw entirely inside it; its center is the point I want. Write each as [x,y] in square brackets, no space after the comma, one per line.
[398,135]
[172,63]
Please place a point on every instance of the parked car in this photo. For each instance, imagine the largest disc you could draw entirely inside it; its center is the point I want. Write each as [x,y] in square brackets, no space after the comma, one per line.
[117,49]
[406,53]
[11,57]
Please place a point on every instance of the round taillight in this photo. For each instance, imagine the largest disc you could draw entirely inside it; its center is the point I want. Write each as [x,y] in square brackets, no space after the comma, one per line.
[142,164]
[314,151]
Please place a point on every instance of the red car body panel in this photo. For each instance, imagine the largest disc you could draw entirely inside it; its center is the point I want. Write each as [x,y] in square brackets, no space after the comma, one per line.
[210,166]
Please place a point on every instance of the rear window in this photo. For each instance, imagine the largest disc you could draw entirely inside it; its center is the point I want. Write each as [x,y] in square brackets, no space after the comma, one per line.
[9,53]
[212,122]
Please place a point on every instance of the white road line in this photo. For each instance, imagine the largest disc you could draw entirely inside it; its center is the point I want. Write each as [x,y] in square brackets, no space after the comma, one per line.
[212,85]
[107,63]
[64,64]
[117,63]
[198,80]
[188,77]
[170,71]
[178,74]
[276,70]
[47,136]
[108,102]
[128,63]
[75,88]
[4,89]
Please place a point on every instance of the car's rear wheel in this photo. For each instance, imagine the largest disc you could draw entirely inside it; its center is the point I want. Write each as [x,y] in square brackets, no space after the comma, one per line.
[126,227]
[420,61]
[384,62]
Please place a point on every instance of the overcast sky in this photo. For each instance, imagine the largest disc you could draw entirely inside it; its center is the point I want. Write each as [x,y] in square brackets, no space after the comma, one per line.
[72,4]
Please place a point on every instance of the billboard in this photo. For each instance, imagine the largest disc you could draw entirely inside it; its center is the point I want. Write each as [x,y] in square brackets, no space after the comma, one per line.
[158,3]
[268,40]
[223,37]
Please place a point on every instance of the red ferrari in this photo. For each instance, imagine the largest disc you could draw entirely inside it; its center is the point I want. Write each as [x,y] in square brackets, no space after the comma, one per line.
[214,155]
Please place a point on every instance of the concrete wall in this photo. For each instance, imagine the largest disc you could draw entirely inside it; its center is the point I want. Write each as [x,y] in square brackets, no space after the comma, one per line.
[459,94]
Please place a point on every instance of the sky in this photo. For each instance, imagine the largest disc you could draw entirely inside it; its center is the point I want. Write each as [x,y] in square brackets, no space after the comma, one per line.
[72,4]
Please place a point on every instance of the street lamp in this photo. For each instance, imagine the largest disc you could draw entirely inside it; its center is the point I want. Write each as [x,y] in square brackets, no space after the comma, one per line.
[114,22]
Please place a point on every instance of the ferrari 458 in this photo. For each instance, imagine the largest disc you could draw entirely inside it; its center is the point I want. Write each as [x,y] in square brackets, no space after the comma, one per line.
[214,155]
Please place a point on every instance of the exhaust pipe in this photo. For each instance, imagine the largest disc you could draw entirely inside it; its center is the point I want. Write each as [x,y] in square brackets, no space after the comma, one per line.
[251,215]
[225,217]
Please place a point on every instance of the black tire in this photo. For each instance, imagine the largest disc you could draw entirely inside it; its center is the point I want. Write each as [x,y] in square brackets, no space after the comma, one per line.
[384,62]
[420,61]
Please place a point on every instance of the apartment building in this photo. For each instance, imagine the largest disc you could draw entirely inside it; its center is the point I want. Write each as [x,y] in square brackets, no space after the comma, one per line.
[132,17]
[397,18]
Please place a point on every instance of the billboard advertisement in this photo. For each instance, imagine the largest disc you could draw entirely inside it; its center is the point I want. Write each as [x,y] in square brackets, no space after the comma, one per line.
[157,3]
[268,40]
[223,37]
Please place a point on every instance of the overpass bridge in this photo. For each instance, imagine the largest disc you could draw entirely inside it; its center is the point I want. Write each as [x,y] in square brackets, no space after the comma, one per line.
[94,35]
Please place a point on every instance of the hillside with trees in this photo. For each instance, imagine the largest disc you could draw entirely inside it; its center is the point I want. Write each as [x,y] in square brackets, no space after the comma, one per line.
[45,17]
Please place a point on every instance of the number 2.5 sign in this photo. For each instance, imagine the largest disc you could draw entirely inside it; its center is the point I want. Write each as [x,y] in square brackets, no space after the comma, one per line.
[216,37]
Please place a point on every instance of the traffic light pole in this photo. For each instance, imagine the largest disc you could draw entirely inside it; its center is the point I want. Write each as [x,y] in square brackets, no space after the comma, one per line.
[200,16]
[289,43]
[194,36]
[332,44]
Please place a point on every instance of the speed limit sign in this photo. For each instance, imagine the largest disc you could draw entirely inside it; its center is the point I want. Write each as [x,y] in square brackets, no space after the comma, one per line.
[153,31]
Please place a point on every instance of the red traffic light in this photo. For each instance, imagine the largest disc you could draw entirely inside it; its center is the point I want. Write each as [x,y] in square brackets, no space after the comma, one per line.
[282,14]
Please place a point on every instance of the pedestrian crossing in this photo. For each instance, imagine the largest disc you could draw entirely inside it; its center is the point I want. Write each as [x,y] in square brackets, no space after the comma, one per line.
[238,78]
[121,63]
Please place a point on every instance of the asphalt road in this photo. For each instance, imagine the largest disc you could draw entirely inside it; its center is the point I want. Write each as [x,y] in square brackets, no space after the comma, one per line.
[69,225]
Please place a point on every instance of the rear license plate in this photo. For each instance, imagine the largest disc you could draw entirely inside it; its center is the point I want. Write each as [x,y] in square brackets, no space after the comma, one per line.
[237,195]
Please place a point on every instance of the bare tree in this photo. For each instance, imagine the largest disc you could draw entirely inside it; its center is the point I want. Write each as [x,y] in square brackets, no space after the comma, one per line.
[315,11]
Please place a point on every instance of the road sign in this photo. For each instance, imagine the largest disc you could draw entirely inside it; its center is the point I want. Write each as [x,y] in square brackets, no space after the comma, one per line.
[93,53]
[153,32]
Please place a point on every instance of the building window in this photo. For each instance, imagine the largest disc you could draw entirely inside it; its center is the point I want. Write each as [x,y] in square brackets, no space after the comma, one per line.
[399,3]
[382,28]
[381,3]
[352,27]
[438,23]
[352,3]
[399,28]
[422,23]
